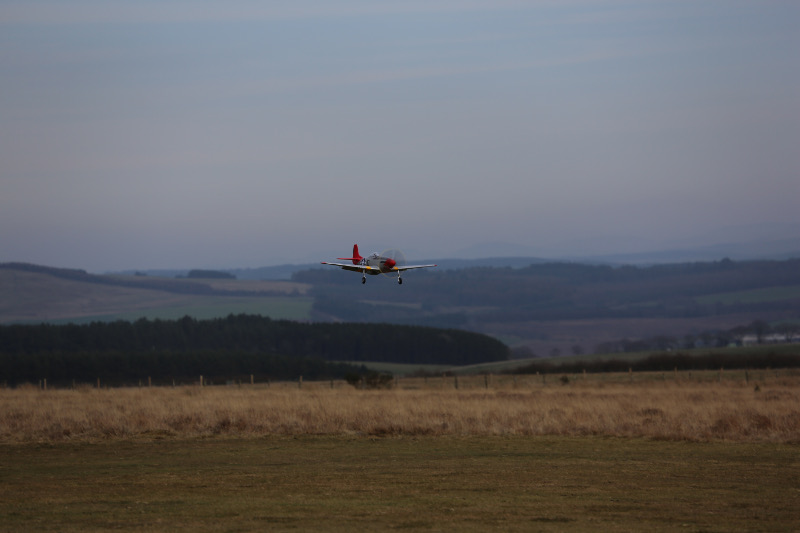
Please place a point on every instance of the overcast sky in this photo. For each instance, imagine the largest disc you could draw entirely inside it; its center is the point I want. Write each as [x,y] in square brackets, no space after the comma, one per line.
[172,134]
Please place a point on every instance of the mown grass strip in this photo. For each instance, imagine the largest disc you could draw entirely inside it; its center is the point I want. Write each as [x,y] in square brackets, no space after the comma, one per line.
[430,483]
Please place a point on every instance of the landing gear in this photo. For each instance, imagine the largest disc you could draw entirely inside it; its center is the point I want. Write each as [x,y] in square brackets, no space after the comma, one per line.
[399,280]
[363,279]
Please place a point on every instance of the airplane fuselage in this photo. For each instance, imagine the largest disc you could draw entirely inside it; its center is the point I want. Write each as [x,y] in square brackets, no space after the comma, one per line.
[378,264]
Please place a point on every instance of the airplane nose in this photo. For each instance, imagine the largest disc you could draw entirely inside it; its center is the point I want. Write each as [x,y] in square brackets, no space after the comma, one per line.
[390,263]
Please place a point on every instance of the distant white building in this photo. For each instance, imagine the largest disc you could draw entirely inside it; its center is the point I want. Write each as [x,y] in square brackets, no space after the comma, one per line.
[772,338]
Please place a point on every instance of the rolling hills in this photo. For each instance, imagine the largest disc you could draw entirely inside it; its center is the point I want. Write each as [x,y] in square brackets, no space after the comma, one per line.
[32,294]
[542,308]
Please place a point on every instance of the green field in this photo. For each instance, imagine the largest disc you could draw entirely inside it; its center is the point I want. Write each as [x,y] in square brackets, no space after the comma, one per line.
[209,307]
[414,484]
[498,367]
[768,294]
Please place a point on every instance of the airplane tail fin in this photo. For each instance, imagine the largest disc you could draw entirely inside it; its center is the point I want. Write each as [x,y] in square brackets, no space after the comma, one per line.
[356,257]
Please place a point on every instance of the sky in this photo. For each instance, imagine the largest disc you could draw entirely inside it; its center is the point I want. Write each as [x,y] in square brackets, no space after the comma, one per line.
[176,134]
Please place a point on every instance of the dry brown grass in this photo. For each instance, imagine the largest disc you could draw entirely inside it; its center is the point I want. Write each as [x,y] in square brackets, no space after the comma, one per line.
[658,408]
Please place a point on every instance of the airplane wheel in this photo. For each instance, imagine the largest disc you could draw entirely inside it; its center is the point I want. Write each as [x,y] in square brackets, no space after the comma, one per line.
[363,280]
[399,281]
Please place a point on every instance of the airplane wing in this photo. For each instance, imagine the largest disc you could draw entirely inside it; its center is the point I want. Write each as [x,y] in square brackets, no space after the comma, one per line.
[362,268]
[411,267]
[351,267]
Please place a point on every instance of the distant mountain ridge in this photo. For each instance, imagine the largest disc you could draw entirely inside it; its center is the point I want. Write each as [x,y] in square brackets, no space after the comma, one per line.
[513,256]
[749,250]
[775,250]
[506,254]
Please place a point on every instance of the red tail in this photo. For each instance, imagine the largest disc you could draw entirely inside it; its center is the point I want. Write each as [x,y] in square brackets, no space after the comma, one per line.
[356,257]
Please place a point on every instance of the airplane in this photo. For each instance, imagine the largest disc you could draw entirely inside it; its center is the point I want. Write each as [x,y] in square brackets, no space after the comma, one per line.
[375,264]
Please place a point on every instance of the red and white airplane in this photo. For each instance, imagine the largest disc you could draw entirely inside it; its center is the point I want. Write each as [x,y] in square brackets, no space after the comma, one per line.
[388,262]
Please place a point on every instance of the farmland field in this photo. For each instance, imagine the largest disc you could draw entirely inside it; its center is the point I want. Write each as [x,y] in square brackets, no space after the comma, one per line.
[35,297]
[206,307]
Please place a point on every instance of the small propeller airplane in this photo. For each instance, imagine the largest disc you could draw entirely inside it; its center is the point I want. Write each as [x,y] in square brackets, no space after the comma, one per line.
[388,262]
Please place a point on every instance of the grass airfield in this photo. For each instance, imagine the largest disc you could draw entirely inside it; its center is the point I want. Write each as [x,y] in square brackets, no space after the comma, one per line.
[690,455]
[326,483]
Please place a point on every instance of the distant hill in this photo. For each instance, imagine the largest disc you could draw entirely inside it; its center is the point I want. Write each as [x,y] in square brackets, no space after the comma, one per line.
[777,250]
[539,308]
[34,293]
[502,254]
[209,274]
[752,244]
[198,282]
[285,272]
[562,308]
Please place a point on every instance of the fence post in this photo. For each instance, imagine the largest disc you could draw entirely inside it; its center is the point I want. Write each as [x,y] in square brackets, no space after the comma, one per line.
[252,379]
[300,383]
[456,381]
[630,374]
[201,380]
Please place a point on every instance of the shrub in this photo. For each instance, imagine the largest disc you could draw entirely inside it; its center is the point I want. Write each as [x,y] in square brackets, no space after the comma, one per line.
[370,380]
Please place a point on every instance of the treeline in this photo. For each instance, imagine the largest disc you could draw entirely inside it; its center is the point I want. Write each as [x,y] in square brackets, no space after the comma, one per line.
[116,368]
[229,346]
[209,274]
[257,334]
[667,362]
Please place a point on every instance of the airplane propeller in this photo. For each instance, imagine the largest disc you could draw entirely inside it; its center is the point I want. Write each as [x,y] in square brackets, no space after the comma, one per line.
[394,257]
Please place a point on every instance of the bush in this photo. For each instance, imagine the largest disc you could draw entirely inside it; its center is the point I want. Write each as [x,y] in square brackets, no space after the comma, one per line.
[370,380]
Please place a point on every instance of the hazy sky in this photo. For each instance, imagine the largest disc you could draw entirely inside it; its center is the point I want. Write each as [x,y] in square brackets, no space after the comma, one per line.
[172,134]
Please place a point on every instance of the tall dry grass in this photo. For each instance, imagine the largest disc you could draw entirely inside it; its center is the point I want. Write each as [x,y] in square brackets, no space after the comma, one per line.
[674,409]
